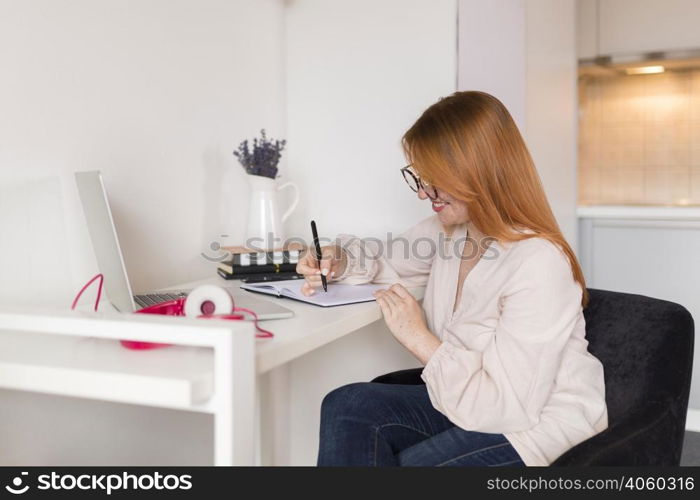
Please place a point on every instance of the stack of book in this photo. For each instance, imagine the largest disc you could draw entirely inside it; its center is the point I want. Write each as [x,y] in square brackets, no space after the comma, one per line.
[261,266]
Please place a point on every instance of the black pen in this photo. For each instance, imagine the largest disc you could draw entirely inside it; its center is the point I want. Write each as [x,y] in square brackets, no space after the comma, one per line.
[318,254]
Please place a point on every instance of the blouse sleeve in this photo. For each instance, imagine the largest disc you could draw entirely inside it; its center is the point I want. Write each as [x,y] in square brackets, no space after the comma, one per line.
[406,258]
[504,386]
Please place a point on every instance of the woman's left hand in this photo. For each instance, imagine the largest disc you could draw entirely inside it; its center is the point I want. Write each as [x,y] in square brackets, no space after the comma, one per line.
[405,318]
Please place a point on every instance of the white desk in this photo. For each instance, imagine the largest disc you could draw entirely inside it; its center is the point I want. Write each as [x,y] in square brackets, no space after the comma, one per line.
[310,328]
[213,367]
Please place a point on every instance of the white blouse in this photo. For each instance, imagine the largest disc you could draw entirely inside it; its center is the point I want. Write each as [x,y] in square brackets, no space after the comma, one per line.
[513,358]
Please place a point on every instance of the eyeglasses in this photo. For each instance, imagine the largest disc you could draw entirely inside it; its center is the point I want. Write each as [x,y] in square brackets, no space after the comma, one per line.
[415,183]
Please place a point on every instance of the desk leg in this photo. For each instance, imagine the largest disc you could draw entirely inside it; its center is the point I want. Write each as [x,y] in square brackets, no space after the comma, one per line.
[280,408]
[234,386]
[275,416]
[261,453]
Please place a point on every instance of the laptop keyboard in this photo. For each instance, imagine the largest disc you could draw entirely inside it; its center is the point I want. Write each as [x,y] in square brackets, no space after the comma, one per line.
[151,299]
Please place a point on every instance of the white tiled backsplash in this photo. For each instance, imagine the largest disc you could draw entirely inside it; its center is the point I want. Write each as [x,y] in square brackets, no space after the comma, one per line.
[639,139]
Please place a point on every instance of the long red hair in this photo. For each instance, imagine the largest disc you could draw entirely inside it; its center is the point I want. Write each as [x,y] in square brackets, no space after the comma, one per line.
[468,145]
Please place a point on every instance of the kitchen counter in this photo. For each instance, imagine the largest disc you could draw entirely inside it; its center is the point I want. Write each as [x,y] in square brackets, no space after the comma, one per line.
[647,250]
[640,212]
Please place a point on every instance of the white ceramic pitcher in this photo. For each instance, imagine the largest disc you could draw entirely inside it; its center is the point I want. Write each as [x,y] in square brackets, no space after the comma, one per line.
[265,225]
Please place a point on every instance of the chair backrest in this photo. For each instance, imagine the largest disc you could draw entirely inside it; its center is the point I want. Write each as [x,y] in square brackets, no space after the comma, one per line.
[645,345]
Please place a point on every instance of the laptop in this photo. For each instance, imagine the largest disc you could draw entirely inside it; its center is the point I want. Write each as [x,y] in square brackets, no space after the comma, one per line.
[105,242]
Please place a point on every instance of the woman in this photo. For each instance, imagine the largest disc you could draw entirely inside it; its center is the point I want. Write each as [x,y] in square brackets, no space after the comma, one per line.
[501,334]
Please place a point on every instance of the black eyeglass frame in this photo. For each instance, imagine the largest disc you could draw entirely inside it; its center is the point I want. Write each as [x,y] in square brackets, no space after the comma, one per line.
[428,189]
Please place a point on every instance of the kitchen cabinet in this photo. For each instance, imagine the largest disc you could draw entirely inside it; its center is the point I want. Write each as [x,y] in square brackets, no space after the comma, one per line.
[650,251]
[618,27]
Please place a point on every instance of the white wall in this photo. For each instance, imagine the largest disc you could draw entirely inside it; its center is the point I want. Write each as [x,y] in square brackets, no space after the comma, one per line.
[551,105]
[524,53]
[358,75]
[492,52]
[156,94]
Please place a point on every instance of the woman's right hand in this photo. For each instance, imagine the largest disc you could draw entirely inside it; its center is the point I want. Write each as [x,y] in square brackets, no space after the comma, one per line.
[333,263]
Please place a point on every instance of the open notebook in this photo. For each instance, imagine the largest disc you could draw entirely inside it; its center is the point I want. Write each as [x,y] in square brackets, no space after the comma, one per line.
[337,294]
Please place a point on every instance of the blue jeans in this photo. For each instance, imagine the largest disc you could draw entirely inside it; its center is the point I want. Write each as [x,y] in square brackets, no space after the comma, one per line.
[374,424]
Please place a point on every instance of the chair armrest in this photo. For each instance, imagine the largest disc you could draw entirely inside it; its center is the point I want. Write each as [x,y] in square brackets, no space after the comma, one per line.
[646,436]
[409,377]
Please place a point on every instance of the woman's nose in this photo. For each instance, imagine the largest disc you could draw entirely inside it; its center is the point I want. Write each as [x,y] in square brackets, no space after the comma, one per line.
[421,194]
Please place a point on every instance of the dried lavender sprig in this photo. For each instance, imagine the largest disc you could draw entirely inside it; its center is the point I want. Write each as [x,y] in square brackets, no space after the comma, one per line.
[264,158]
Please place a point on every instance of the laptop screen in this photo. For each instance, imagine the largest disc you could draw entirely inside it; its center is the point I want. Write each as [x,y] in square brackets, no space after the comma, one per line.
[105,241]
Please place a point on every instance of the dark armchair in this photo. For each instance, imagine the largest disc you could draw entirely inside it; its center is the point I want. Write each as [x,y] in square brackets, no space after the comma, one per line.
[646,347]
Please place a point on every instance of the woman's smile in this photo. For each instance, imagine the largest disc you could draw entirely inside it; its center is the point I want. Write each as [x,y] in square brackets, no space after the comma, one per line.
[438,205]
[458,212]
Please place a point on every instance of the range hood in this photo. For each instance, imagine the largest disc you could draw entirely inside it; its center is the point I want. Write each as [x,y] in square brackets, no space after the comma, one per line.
[642,63]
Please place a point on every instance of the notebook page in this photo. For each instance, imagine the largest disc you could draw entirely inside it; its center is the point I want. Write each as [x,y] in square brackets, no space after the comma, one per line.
[337,294]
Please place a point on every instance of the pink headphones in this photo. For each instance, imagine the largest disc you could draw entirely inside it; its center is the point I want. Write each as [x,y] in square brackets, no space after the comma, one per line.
[204,309]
